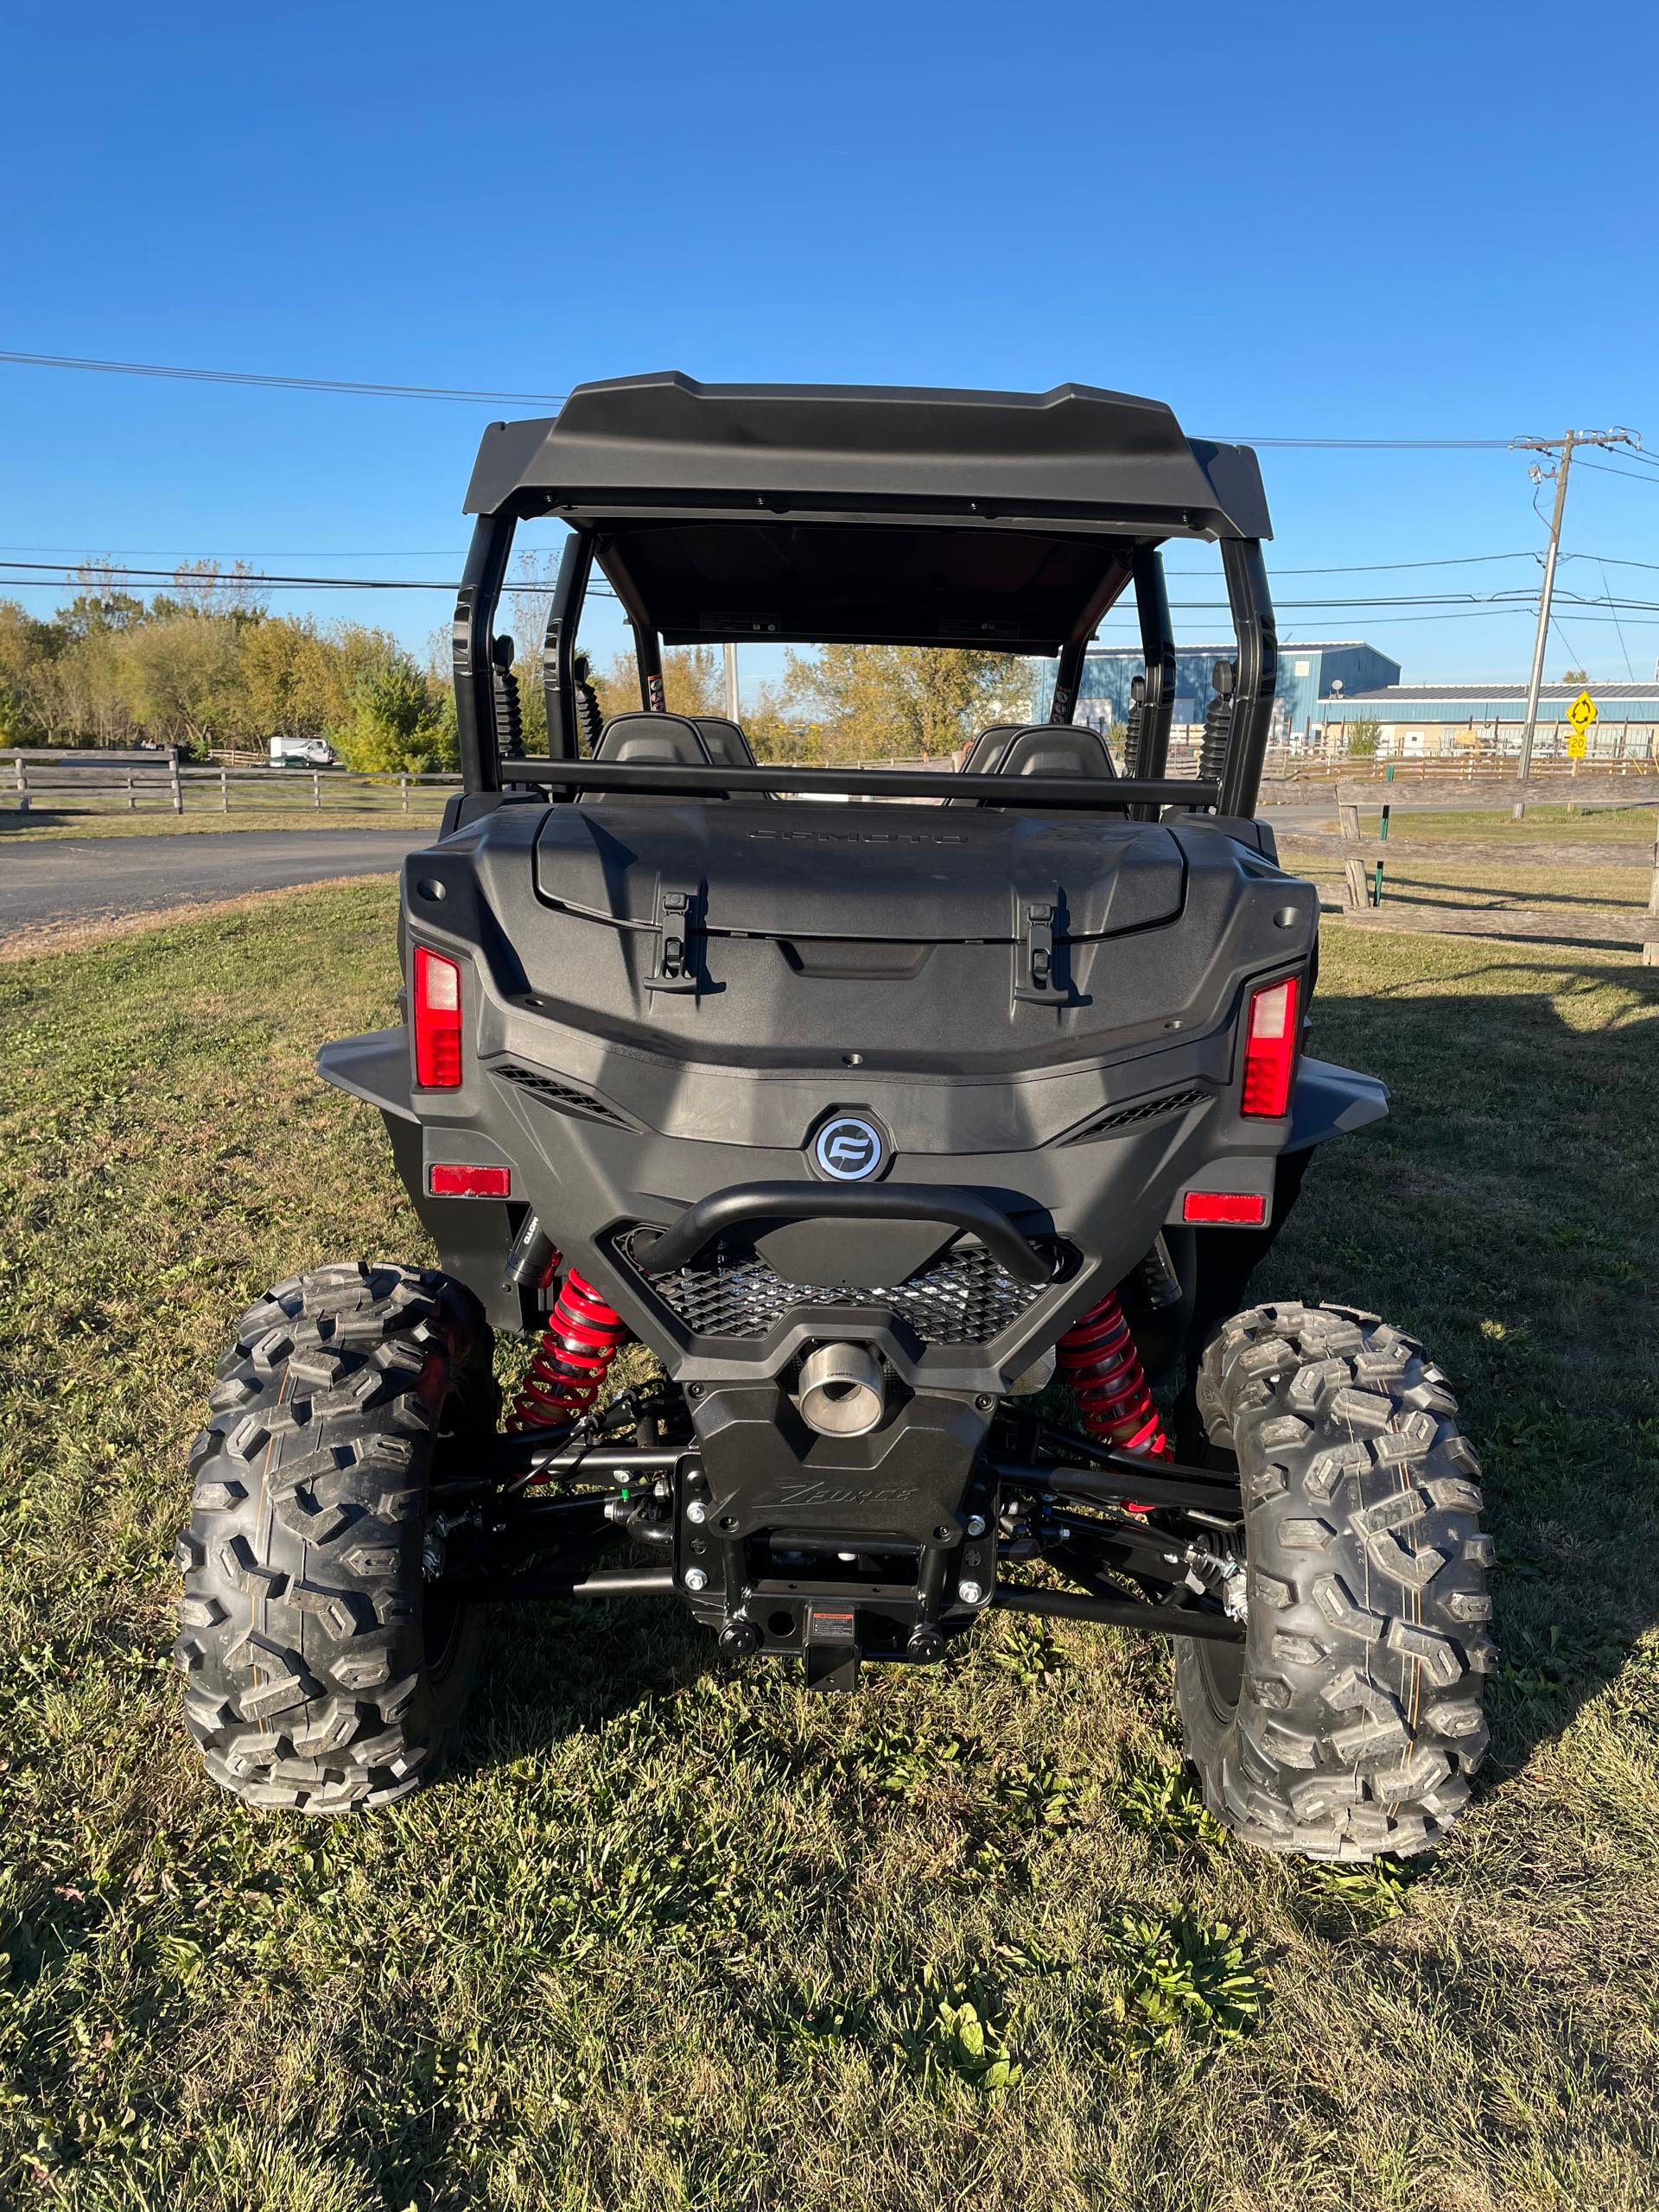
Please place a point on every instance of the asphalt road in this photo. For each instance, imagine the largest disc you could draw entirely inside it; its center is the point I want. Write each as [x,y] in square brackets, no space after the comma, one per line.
[55,882]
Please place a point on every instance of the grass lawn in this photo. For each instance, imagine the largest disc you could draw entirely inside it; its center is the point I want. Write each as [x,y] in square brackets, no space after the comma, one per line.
[1627,822]
[672,1937]
[1491,882]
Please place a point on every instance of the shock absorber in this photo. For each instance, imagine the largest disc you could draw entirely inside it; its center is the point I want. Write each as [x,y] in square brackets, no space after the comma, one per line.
[1102,1367]
[582,1336]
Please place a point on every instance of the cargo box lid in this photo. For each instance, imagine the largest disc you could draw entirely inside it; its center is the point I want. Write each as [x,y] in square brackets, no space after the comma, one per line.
[885,874]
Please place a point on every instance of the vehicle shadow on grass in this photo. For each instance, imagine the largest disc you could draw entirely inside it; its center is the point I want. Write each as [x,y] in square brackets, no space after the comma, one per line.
[1507,1212]
[1480,898]
[556,1669]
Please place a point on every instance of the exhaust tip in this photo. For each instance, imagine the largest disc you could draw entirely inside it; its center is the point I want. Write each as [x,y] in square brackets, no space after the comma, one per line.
[842,1391]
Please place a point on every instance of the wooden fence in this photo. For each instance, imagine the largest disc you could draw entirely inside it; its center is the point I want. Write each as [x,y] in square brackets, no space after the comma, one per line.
[131,783]
[1365,862]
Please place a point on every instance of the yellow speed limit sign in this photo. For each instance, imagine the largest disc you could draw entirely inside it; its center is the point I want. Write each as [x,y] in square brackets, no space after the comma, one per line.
[1582,712]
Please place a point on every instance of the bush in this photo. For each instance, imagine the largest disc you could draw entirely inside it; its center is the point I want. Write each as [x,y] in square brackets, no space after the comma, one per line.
[396,724]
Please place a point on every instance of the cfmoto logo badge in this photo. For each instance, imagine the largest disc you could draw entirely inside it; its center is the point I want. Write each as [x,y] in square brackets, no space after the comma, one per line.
[848,1149]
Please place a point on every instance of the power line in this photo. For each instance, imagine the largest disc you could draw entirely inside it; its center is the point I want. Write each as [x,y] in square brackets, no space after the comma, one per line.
[364,389]
[1605,470]
[1381,445]
[88,575]
[351,386]
[1375,567]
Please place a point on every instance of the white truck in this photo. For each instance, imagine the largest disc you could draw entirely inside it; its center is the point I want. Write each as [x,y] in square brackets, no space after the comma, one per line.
[302,753]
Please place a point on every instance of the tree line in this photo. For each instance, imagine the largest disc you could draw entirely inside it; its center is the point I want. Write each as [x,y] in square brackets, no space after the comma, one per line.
[207,665]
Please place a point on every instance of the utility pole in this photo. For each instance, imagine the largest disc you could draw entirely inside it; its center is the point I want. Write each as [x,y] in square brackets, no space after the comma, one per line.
[1566,445]
[732,715]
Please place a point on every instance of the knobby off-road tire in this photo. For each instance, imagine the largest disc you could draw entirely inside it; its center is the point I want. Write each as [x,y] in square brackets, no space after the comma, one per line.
[322,1674]
[1349,1721]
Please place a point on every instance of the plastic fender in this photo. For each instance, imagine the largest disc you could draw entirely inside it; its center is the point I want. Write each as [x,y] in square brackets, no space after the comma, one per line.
[374,1066]
[1332,1102]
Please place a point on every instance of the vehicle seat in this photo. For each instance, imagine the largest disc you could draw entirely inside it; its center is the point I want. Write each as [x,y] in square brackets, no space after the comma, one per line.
[726,743]
[1054,749]
[984,754]
[654,737]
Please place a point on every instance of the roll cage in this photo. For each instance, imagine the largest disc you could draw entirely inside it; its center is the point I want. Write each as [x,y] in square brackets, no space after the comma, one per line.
[815,513]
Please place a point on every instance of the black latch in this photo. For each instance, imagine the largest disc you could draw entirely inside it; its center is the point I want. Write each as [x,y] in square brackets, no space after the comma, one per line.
[675,966]
[1035,959]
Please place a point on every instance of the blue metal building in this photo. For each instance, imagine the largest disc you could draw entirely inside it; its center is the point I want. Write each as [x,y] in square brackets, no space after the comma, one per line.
[1310,677]
[1437,719]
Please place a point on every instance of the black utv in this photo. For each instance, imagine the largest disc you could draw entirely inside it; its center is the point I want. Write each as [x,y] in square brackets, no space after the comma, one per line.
[928,1141]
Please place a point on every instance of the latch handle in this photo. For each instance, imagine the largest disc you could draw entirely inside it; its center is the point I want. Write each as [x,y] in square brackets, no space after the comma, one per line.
[1035,978]
[674,968]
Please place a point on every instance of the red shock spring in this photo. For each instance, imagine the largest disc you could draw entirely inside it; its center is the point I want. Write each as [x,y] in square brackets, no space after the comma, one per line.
[582,1336]
[1099,1361]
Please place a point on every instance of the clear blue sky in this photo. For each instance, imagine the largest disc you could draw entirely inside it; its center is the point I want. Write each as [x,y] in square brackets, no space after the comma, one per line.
[1298,220]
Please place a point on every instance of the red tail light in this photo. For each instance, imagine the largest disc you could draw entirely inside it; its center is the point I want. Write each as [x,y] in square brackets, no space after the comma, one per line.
[455,1179]
[437,1021]
[1270,1050]
[1236,1209]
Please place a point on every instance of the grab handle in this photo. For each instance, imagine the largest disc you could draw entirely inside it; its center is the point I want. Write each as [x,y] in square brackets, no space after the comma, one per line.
[746,1202]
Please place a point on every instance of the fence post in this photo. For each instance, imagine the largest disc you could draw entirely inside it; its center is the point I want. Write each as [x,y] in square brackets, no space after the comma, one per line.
[132,796]
[1353,860]
[403,785]
[1651,943]
[316,788]
[23,786]
[177,784]
[224,790]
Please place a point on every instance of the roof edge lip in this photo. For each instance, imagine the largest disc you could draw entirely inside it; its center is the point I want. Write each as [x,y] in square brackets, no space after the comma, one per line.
[1083,446]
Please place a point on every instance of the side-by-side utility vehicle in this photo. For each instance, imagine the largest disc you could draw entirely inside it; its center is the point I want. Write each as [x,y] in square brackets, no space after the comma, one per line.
[921,1139]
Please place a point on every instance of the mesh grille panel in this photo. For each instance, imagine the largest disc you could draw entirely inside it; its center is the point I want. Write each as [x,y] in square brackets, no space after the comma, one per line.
[964,1298]
[564,1096]
[1143,1110]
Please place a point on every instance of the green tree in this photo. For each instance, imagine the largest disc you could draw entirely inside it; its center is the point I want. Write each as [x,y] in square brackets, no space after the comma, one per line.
[693,683]
[396,724]
[26,647]
[1364,735]
[181,679]
[292,677]
[875,701]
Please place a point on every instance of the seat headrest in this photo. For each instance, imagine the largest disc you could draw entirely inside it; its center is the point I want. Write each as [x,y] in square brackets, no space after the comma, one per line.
[987,748]
[655,738]
[1056,749]
[726,742]
[983,755]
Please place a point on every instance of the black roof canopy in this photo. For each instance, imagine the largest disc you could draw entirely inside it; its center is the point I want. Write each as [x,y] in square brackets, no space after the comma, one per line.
[867,513]
[1097,458]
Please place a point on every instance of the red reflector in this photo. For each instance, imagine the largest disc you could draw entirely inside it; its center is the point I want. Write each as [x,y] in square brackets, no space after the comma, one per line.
[1270,1050]
[437,1021]
[1243,1209]
[452,1181]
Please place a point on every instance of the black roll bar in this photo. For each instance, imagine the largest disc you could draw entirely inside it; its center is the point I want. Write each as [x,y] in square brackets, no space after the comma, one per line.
[647,645]
[667,779]
[1251,602]
[559,647]
[1068,673]
[471,637]
[1158,653]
